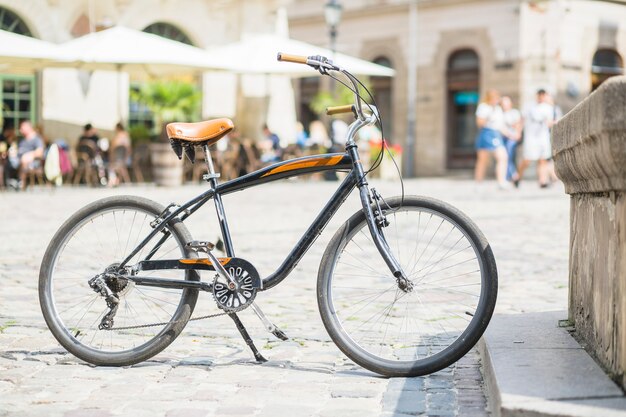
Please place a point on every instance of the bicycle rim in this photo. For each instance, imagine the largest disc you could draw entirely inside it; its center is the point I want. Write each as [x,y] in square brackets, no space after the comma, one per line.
[383,327]
[98,241]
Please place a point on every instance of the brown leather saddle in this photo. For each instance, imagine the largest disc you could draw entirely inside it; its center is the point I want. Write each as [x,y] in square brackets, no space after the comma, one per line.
[188,135]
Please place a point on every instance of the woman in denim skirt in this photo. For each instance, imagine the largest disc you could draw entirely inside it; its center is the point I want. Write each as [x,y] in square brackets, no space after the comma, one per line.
[490,122]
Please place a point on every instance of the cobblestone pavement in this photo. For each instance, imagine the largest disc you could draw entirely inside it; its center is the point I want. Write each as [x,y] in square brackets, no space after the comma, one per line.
[208,370]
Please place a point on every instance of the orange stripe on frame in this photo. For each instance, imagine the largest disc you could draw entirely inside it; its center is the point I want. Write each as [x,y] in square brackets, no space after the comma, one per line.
[203,261]
[322,161]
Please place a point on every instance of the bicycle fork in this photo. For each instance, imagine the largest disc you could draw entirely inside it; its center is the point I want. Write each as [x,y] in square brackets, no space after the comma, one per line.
[376,221]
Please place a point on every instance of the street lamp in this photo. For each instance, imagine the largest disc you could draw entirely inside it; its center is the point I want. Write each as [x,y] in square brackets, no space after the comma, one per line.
[332,13]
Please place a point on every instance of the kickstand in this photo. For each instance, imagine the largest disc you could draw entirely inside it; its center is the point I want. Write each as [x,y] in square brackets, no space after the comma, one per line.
[247,338]
[268,324]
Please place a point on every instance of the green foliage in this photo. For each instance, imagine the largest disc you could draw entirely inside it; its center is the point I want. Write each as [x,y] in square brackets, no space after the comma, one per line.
[139,134]
[342,96]
[169,101]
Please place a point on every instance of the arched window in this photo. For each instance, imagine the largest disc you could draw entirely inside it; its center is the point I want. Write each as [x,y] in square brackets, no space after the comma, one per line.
[17,92]
[606,63]
[139,114]
[168,31]
[382,90]
[463,77]
[463,60]
[11,22]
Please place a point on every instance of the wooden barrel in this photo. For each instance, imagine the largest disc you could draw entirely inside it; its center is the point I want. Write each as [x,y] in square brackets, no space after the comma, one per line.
[167,169]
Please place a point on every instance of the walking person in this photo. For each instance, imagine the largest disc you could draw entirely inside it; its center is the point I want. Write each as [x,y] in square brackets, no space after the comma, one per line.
[490,121]
[120,156]
[512,134]
[538,119]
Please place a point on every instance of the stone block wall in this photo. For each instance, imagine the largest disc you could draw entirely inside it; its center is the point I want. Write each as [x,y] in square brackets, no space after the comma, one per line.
[589,147]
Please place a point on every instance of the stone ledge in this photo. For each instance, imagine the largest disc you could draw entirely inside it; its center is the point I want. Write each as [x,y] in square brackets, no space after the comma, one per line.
[589,143]
[533,368]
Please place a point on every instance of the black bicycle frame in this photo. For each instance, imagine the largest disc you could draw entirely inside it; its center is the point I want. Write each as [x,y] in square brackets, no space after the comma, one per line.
[306,165]
[294,167]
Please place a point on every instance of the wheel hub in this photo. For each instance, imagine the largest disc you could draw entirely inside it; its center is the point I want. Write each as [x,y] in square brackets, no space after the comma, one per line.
[117,284]
[405,284]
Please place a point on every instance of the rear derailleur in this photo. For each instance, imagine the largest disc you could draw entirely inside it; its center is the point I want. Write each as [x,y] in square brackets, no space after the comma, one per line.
[98,284]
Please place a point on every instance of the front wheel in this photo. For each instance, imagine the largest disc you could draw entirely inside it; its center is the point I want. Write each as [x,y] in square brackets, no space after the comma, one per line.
[396,332]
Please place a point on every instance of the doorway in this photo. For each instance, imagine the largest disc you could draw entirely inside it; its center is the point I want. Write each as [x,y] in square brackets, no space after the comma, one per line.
[463,75]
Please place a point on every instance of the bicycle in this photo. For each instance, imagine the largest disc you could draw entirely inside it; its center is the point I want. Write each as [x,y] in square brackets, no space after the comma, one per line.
[406,286]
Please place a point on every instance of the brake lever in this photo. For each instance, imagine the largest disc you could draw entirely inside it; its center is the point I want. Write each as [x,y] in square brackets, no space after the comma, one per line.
[322,64]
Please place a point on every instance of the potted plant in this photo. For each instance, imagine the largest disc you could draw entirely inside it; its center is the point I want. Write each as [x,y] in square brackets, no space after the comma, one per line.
[391,163]
[169,101]
[341,96]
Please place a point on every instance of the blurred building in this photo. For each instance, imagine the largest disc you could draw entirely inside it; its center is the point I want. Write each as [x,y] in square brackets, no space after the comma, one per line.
[62,100]
[463,48]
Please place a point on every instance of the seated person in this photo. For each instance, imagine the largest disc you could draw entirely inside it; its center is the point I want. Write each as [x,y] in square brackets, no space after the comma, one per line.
[89,133]
[29,150]
[270,146]
[8,154]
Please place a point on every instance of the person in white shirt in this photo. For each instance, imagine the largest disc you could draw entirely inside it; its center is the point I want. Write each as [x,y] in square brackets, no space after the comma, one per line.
[512,134]
[490,121]
[538,119]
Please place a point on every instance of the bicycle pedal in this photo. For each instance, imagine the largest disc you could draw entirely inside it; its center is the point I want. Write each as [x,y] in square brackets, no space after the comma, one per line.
[200,246]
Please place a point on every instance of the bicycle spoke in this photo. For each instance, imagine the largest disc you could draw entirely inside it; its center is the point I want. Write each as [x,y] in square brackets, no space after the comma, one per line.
[110,235]
[390,323]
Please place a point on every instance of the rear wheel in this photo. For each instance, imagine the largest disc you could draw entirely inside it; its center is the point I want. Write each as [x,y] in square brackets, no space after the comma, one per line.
[395,332]
[98,238]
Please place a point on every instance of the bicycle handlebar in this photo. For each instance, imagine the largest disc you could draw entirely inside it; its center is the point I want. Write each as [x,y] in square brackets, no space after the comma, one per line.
[296,59]
[324,65]
[348,108]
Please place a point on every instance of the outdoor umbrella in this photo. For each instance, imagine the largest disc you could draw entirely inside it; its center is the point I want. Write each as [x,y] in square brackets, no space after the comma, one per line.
[130,51]
[26,52]
[257,54]
[133,51]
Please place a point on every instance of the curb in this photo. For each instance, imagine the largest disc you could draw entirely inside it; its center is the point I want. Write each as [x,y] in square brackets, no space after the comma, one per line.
[533,368]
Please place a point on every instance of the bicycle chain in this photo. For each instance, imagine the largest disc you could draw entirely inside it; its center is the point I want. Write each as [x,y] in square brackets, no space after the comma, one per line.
[141,326]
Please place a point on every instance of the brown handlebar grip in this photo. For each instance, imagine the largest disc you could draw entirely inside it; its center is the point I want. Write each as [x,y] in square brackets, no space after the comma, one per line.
[348,108]
[297,59]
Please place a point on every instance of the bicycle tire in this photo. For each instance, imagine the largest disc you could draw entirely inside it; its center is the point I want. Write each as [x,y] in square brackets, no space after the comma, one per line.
[75,338]
[347,336]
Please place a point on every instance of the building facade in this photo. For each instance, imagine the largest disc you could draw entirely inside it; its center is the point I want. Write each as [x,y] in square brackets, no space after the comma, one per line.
[460,49]
[463,48]
[62,100]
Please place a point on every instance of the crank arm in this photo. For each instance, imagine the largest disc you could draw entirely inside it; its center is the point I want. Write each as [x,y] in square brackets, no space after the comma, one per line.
[169,283]
[219,268]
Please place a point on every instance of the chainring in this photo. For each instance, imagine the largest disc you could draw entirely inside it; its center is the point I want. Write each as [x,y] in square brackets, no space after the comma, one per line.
[234,297]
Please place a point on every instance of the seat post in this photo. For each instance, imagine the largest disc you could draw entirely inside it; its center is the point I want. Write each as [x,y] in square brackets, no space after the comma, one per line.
[212,176]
